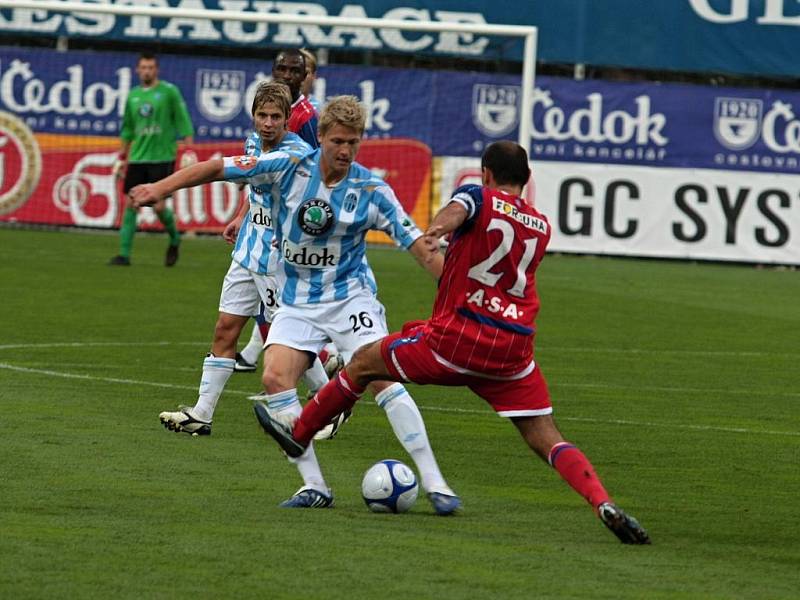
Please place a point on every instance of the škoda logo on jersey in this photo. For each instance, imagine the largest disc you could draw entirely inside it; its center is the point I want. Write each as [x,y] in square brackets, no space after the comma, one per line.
[20,163]
[512,211]
[315,216]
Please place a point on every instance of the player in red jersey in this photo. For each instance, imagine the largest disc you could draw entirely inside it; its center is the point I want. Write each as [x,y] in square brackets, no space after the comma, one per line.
[289,67]
[481,332]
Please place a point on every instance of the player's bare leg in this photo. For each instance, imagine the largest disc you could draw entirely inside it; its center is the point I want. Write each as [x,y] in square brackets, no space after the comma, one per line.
[544,438]
[247,359]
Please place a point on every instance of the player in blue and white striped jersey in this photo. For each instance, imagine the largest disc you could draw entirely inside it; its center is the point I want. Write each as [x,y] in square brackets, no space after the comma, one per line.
[248,282]
[291,68]
[325,204]
[321,228]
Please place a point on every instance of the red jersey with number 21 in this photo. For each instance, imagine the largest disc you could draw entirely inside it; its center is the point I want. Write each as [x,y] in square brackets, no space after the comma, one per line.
[485,310]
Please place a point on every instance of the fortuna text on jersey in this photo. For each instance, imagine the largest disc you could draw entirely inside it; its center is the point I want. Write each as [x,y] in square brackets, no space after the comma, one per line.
[512,211]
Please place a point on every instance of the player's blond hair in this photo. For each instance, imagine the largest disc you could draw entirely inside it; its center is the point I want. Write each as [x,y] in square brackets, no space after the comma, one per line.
[343,110]
[311,60]
[273,92]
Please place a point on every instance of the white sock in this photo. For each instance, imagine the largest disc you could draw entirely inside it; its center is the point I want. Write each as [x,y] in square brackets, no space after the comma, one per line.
[216,372]
[409,428]
[308,467]
[285,407]
[253,349]
[315,376]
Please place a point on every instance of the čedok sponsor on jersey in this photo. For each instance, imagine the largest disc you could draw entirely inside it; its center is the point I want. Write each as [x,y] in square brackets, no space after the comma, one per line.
[310,256]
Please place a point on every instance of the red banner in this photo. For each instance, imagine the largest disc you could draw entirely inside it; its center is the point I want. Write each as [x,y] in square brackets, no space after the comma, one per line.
[68,180]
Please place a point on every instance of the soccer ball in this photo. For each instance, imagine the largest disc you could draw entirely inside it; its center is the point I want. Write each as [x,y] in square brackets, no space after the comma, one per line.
[389,486]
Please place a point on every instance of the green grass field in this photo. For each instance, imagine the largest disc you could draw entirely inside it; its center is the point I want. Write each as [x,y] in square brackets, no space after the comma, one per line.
[678,380]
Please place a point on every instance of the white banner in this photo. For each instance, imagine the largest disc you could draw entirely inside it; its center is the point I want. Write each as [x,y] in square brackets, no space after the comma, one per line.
[659,212]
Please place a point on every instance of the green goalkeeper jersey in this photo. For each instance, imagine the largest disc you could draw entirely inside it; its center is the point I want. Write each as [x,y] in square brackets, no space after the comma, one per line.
[155,118]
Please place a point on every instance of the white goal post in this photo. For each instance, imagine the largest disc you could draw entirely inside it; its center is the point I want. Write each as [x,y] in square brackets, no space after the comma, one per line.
[527,33]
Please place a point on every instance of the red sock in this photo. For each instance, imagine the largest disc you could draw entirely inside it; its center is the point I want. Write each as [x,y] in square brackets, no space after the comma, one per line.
[337,395]
[578,472]
[323,356]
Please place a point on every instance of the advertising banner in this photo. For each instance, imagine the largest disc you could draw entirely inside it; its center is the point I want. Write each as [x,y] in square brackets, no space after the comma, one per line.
[79,189]
[454,113]
[681,35]
[69,106]
[658,212]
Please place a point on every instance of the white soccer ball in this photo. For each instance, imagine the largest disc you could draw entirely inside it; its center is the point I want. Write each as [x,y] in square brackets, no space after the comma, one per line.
[389,486]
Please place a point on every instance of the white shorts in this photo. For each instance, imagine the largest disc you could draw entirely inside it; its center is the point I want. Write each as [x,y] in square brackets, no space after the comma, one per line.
[349,324]
[243,291]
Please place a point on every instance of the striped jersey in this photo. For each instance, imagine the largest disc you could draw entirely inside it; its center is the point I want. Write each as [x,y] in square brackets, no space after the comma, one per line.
[486,306]
[254,242]
[320,230]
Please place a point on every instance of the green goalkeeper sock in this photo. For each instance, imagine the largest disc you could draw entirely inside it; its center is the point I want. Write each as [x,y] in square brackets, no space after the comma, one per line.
[126,232]
[167,218]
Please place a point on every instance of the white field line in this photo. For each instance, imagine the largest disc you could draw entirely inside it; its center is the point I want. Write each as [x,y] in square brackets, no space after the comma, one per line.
[689,427]
[95,344]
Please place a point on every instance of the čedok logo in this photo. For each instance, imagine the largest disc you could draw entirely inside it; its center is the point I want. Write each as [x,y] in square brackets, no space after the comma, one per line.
[312,257]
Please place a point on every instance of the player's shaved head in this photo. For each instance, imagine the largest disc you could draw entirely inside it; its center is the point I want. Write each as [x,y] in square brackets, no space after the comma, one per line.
[291,53]
[508,163]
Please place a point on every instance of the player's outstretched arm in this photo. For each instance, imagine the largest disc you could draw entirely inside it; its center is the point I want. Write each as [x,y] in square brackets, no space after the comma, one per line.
[204,172]
[447,219]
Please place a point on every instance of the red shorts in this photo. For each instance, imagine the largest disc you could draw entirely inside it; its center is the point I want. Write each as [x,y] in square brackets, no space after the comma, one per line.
[409,358]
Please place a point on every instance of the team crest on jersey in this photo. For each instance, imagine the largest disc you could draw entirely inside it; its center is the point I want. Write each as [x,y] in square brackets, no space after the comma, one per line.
[737,122]
[245,162]
[350,202]
[145,110]
[495,108]
[315,216]
[220,93]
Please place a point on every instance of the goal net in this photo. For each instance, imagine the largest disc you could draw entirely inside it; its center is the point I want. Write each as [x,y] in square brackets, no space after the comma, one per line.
[437,93]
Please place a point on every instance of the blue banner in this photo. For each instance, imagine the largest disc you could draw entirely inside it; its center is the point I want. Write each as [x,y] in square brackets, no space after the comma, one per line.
[729,36]
[454,113]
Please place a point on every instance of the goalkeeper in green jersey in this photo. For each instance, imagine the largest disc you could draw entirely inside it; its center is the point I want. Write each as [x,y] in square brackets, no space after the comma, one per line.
[155,119]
